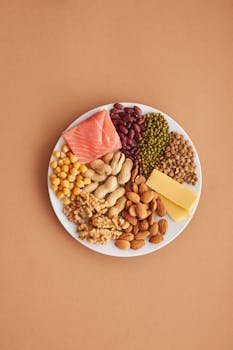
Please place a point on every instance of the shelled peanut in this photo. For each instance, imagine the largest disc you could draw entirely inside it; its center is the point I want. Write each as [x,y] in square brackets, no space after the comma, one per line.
[67,178]
[141,207]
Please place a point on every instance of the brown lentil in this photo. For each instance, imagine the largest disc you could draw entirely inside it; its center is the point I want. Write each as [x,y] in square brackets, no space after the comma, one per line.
[178,160]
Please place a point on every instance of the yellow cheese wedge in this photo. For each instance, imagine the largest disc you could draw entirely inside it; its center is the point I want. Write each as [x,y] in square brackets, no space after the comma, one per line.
[175,212]
[172,190]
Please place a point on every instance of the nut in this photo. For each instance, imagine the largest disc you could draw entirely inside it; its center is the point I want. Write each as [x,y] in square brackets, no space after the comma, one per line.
[133,197]
[143,225]
[160,210]
[132,220]
[153,205]
[141,235]
[154,229]
[128,187]
[141,210]
[122,244]
[129,228]
[156,239]
[128,204]
[142,188]
[134,173]
[136,228]
[127,236]
[134,187]
[151,218]
[137,244]
[132,210]
[147,197]
[140,179]
[163,225]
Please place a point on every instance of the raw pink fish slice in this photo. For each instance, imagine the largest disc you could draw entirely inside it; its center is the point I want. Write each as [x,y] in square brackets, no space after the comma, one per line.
[93,138]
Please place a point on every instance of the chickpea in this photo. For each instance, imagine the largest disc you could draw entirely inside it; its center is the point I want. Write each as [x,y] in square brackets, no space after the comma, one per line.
[71,178]
[57,154]
[74,171]
[60,195]
[76,191]
[87,181]
[53,164]
[66,161]
[65,183]
[73,158]
[65,168]
[60,162]
[79,177]
[83,169]
[65,148]
[63,175]
[76,165]
[56,181]
[54,188]
[66,191]
[80,183]
[57,170]
[53,176]
[71,185]
[66,201]
[63,155]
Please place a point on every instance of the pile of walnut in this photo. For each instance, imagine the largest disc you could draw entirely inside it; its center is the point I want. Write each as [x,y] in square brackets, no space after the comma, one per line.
[141,207]
[89,213]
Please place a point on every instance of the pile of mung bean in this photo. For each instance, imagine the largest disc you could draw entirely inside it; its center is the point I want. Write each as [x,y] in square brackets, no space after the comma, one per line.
[153,142]
[178,160]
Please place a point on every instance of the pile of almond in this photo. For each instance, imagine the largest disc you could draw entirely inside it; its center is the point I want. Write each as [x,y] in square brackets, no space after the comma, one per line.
[140,211]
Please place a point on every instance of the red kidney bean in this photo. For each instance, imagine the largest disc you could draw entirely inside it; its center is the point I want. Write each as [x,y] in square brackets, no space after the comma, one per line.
[122,114]
[131,133]
[115,116]
[123,129]
[136,127]
[118,106]
[140,121]
[129,110]
[114,111]
[137,110]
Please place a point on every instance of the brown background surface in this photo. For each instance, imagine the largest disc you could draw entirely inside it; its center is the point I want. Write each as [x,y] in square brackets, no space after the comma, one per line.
[58,60]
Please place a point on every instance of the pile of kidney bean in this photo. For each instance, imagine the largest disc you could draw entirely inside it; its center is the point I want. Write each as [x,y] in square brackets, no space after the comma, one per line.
[129,123]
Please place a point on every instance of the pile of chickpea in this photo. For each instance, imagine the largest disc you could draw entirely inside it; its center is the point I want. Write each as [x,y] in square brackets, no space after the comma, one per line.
[67,180]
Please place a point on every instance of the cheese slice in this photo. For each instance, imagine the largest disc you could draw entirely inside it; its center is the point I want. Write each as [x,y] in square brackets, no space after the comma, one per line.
[175,212]
[172,190]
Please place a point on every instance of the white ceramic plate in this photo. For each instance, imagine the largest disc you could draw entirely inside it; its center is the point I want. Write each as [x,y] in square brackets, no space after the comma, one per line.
[110,249]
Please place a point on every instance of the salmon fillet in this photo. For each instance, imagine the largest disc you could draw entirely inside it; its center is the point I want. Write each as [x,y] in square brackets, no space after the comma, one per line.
[93,138]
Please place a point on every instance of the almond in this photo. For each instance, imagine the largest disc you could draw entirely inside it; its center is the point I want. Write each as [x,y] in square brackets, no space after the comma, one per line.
[155,239]
[151,218]
[154,229]
[140,179]
[127,236]
[134,173]
[160,210]
[163,225]
[122,244]
[132,210]
[141,211]
[134,187]
[137,244]
[129,228]
[133,197]
[147,197]
[141,235]
[136,228]
[132,220]
[142,188]
[143,225]
[153,205]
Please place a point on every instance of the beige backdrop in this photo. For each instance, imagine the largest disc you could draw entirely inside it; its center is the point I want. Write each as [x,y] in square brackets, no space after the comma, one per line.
[58,60]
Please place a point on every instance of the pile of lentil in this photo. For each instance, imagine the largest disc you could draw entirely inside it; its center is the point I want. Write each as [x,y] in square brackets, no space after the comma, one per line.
[153,142]
[178,160]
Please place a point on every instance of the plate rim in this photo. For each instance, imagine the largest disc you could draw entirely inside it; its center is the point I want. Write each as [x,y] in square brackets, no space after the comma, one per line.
[137,252]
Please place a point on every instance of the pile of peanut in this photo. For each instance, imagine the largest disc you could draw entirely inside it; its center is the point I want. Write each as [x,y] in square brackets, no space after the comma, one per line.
[141,208]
